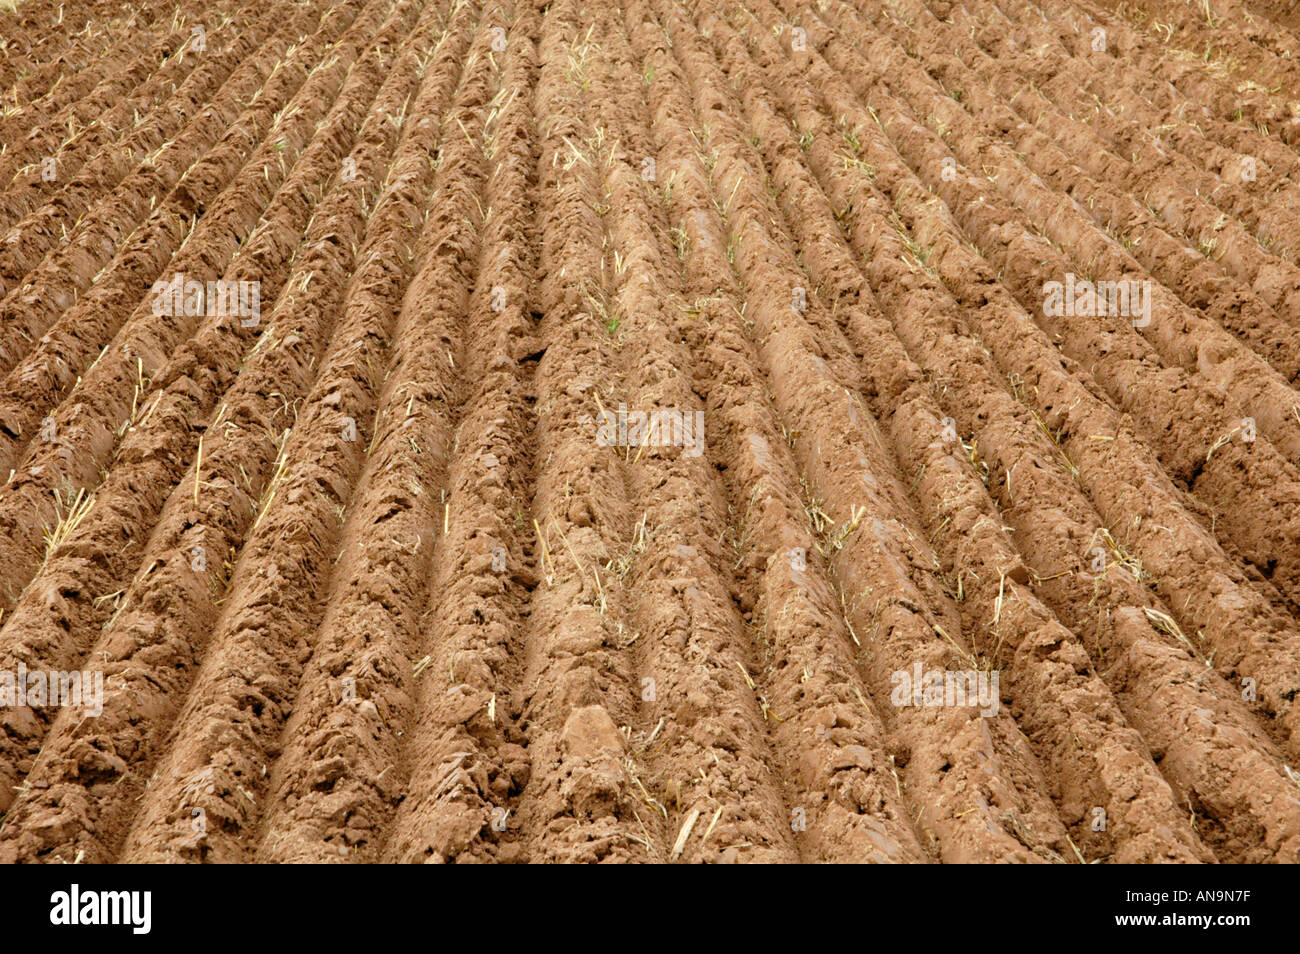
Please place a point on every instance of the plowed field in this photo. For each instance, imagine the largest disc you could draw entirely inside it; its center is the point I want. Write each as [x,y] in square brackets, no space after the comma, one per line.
[650,431]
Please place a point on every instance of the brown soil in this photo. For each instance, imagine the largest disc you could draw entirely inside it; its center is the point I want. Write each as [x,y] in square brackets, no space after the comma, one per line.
[373,579]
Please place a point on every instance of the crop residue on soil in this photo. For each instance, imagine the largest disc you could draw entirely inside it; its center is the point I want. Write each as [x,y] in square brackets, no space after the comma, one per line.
[650,430]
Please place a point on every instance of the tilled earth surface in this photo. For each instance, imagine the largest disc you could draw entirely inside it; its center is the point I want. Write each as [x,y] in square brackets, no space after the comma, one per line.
[380,565]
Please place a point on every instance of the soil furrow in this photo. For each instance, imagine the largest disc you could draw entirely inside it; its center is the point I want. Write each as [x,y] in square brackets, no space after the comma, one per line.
[1203,249]
[348,780]
[1250,486]
[292,574]
[578,695]
[705,431]
[1240,184]
[1117,471]
[46,135]
[76,440]
[85,585]
[1055,697]
[876,557]
[73,85]
[840,782]
[118,225]
[959,509]
[53,180]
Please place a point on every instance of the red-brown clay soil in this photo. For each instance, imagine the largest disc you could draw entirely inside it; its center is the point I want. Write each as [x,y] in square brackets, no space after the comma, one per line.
[650,431]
